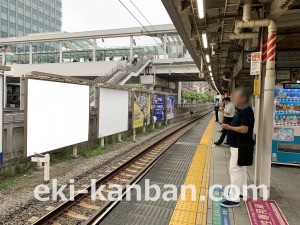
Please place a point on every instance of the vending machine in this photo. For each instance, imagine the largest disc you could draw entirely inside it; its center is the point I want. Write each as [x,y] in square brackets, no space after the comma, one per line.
[286,125]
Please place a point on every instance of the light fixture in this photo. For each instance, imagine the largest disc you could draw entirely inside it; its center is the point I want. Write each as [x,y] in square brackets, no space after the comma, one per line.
[209,68]
[207,58]
[204,39]
[201,9]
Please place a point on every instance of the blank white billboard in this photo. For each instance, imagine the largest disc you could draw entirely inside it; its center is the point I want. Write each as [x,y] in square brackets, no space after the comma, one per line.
[57,115]
[113,111]
[1,117]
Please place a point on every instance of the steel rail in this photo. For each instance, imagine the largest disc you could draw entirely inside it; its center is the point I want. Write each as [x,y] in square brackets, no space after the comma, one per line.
[52,216]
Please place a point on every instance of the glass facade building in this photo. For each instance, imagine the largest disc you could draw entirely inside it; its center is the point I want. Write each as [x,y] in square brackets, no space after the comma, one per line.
[24,17]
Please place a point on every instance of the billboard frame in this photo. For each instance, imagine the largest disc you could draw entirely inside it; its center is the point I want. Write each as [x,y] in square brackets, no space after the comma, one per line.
[2,70]
[151,104]
[97,98]
[34,75]
[159,93]
[167,106]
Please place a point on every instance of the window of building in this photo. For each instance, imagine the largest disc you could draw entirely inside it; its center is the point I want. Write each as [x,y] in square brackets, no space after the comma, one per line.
[27,2]
[4,3]
[12,19]
[4,16]
[12,31]
[20,21]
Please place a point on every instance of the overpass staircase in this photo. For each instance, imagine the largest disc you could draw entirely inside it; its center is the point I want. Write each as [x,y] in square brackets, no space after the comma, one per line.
[120,75]
[131,71]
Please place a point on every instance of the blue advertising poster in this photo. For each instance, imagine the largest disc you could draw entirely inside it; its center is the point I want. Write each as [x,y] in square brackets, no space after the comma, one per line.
[159,108]
[170,107]
[0,157]
[283,134]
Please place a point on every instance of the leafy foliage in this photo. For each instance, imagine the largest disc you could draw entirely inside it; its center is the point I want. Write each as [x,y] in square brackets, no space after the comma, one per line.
[191,96]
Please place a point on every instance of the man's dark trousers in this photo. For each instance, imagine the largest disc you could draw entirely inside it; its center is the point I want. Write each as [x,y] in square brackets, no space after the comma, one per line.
[217,111]
[227,120]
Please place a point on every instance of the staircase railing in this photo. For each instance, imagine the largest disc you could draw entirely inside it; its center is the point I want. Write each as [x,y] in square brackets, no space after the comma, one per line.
[121,73]
[108,75]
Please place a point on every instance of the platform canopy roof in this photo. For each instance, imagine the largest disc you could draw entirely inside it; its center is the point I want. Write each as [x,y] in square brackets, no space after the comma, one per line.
[219,22]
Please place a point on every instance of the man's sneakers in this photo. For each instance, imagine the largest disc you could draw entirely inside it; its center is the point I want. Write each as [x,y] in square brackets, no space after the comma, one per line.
[217,143]
[229,204]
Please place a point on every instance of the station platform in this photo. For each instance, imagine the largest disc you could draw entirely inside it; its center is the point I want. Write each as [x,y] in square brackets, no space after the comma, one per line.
[193,159]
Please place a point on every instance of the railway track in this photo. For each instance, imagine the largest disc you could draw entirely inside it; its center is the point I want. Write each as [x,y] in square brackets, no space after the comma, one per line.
[82,210]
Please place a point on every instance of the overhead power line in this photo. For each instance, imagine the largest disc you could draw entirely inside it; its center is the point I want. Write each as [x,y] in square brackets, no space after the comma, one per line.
[148,31]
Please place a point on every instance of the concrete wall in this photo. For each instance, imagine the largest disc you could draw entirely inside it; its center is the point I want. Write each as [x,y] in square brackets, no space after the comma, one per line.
[66,69]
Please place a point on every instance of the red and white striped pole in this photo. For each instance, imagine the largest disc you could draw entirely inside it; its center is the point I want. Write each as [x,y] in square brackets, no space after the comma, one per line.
[268,108]
[258,112]
[263,46]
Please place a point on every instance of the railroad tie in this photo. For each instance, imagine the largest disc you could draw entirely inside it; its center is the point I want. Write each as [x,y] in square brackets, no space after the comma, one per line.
[50,208]
[76,216]
[130,170]
[33,219]
[88,206]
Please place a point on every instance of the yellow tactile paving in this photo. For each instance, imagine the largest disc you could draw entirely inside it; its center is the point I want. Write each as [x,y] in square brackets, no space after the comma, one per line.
[191,211]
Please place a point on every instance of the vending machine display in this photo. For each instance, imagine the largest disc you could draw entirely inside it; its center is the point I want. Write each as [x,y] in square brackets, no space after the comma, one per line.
[286,129]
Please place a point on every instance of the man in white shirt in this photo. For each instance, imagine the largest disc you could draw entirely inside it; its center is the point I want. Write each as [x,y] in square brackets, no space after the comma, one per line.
[229,113]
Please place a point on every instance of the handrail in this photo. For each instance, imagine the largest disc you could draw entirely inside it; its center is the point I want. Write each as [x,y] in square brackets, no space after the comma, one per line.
[100,78]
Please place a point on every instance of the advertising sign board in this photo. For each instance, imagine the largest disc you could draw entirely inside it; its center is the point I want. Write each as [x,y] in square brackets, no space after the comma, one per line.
[1,117]
[56,115]
[159,108]
[170,107]
[113,111]
[255,63]
[141,109]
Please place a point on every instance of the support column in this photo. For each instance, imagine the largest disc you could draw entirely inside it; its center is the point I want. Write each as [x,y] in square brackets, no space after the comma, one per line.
[165,46]
[5,90]
[179,93]
[94,50]
[268,108]
[47,169]
[260,104]
[154,76]
[131,48]
[60,52]
[22,94]
[3,58]
[30,53]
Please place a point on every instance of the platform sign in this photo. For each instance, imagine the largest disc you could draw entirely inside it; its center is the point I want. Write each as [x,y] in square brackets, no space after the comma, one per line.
[1,116]
[113,111]
[170,107]
[56,115]
[255,63]
[159,108]
[264,212]
[141,109]
[220,213]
